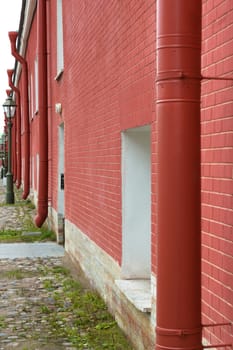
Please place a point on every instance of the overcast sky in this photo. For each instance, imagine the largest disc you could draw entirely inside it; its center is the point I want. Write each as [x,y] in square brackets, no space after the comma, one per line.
[9,21]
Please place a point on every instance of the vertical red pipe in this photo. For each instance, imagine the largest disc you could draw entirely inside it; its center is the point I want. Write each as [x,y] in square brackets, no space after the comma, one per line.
[14,145]
[178,111]
[13,37]
[10,73]
[42,112]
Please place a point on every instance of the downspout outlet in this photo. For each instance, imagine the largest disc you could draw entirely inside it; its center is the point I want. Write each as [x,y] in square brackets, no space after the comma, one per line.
[42,213]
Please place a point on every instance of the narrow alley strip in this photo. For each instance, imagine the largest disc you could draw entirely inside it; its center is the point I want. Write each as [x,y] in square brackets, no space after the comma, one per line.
[42,305]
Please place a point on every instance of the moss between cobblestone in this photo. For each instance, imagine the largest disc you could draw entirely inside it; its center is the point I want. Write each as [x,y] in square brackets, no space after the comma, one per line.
[2,322]
[91,325]
[59,313]
[24,212]
[11,236]
[17,274]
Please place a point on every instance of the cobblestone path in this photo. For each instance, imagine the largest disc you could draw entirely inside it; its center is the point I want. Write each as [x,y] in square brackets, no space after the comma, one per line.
[42,306]
[13,216]
[26,302]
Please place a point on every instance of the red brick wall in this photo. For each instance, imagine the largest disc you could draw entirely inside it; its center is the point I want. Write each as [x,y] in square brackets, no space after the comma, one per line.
[217,170]
[108,87]
[30,58]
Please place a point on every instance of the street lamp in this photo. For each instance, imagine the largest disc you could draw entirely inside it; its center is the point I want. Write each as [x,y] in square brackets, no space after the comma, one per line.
[4,137]
[2,154]
[5,153]
[9,109]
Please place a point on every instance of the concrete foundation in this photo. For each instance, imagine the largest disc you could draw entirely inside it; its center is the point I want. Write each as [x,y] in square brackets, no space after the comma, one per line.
[102,271]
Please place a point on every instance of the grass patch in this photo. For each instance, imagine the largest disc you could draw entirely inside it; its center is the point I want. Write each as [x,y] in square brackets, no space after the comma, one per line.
[10,236]
[46,235]
[70,313]
[29,204]
[2,322]
[80,315]
[14,274]
[17,274]
[24,210]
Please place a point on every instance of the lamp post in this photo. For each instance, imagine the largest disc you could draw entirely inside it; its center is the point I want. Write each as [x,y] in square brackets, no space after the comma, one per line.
[4,154]
[9,109]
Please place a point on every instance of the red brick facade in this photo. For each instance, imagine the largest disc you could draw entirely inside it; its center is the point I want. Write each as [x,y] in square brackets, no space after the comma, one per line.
[217,171]
[107,87]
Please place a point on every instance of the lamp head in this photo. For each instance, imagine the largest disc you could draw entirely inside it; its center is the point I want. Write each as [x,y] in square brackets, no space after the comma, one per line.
[9,107]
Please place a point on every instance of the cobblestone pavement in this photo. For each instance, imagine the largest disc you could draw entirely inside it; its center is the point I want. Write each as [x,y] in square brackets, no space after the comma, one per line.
[42,306]
[11,216]
[24,298]
[25,303]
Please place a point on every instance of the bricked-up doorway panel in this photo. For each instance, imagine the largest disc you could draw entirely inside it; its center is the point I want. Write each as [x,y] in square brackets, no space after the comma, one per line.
[136,203]
[61,179]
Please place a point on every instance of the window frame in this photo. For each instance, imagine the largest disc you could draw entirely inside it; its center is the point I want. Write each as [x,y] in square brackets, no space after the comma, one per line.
[60,48]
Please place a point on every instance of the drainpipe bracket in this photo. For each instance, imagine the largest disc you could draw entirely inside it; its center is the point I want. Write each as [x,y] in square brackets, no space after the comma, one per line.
[177,332]
[176,74]
[217,346]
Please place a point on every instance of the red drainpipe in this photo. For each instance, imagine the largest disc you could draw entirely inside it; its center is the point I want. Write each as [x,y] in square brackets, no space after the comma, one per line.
[14,160]
[6,142]
[10,73]
[178,40]
[42,112]
[8,92]
[13,37]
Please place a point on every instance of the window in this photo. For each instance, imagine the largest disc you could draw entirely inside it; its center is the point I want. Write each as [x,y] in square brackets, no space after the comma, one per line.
[31,96]
[36,107]
[32,172]
[60,54]
[60,198]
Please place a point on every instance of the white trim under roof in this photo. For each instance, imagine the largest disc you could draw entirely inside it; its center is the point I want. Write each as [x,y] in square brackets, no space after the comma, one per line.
[28,17]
